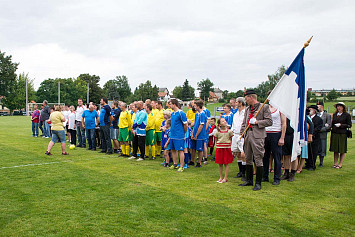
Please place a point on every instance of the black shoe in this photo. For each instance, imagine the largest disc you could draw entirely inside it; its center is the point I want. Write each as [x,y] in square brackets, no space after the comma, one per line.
[78,146]
[102,151]
[247,183]
[83,146]
[291,178]
[265,180]
[191,163]
[257,187]
[285,176]
[244,178]
[310,169]
[89,148]
[93,149]
[198,165]
[166,165]
[276,182]
[320,165]
[109,153]
[239,175]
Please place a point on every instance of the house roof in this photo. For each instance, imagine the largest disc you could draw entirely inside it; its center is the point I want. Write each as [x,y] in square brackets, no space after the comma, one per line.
[217,90]
[213,95]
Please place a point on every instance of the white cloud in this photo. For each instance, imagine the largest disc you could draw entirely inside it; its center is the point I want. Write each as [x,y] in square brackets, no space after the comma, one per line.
[234,43]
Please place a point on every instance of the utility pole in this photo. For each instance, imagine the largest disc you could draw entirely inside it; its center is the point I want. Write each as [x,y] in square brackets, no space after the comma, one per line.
[87,94]
[26,96]
[58,93]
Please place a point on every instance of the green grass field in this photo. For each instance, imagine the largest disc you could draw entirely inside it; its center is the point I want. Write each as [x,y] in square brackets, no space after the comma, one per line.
[89,194]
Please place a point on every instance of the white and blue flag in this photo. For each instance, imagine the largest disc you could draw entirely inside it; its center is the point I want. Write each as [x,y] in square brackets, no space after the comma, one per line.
[290,97]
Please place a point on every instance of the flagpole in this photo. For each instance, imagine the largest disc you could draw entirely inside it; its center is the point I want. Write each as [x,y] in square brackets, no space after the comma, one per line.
[246,129]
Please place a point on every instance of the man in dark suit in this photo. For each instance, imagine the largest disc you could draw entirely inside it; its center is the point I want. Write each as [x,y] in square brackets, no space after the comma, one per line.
[314,145]
[327,122]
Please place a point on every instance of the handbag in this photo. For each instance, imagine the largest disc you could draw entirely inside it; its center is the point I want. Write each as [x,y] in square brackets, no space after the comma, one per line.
[349,133]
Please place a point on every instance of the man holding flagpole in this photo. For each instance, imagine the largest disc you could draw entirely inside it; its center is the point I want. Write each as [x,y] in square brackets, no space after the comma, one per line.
[257,116]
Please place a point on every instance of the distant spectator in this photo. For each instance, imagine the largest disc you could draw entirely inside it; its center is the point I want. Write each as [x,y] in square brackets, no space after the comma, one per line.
[35,121]
[44,118]
[71,125]
[79,129]
[40,124]
[89,119]
[338,138]
[58,132]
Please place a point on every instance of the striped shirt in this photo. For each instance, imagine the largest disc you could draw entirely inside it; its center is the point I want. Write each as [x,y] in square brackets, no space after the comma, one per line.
[35,114]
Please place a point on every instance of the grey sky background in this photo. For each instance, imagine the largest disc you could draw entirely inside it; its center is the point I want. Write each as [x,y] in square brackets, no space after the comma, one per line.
[234,43]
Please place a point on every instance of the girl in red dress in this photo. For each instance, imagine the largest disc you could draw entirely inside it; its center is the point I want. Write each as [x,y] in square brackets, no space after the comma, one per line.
[223,152]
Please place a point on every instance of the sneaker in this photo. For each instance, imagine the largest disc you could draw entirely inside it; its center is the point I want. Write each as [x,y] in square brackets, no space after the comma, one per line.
[180,169]
[205,162]
[191,163]
[140,159]
[48,153]
[173,167]
[132,157]
[166,165]
[186,166]
[198,165]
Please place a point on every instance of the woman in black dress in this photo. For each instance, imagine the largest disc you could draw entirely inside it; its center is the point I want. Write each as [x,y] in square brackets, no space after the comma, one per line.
[338,139]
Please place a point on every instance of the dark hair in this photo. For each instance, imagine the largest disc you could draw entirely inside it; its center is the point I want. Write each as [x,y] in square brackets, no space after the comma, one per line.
[199,104]
[175,102]
[228,106]
[214,119]
[219,121]
[80,99]
[160,103]
[168,121]
[115,103]
[105,100]
[149,106]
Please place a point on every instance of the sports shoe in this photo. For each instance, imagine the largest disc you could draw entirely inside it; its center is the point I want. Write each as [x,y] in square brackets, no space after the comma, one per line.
[186,166]
[191,163]
[132,157]
[173,167]
[198,165]
[140,159]
[180,169]
[205,162]
[48,153]
[166,165]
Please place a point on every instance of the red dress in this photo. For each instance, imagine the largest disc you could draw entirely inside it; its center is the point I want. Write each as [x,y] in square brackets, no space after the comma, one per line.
[211,139]
[224,154]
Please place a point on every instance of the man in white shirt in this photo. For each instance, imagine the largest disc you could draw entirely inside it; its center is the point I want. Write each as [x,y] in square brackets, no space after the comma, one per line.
[237,147]
[80,131]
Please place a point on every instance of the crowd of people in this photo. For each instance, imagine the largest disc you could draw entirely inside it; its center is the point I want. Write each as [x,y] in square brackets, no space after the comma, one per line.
[259,137]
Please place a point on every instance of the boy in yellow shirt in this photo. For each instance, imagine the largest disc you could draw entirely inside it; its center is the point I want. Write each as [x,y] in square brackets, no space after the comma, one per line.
[159,118]
[150,132]
[124,125]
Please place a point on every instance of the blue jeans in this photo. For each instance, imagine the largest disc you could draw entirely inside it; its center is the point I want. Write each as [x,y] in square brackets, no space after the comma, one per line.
[34,129]
[58,135]
[90,135]
[46,129]
[80,132]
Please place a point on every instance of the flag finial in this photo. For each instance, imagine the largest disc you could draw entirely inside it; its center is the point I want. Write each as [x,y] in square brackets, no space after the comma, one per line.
[307,43]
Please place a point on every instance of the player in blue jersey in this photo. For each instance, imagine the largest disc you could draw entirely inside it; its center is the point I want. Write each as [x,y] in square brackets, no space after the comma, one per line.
[234,106]
[198,134]
[205,149]
[227,115]
[177,134]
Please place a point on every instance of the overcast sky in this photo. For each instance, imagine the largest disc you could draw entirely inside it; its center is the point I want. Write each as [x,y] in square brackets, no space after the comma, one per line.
[234,43]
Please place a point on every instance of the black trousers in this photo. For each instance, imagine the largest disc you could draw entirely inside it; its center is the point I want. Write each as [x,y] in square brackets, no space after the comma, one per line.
[138,141]
[271,146]
[312,153]
[72,136]
[106,145]
[98,138]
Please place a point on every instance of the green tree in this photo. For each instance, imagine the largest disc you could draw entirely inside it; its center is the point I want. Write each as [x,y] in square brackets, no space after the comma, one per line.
[117,89]
[266,86]
[17,98]
[95,91]
[71,90]
[7,74]
[187,91]
[177,92]
[146,91]
[332,95]
[205,86]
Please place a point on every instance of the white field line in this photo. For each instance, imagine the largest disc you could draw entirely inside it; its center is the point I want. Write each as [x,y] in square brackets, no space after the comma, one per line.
[47,163]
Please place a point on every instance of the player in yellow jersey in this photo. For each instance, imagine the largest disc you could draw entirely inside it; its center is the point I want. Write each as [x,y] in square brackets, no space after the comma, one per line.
[159,118]
[150,132]
[191,112]
[133,116]
[168,106]
[124,124]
